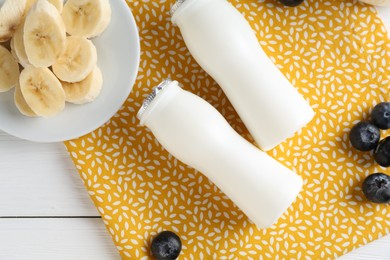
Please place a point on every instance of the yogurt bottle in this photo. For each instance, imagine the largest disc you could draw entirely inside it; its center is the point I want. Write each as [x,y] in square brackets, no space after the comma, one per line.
[226,47]
[197,134]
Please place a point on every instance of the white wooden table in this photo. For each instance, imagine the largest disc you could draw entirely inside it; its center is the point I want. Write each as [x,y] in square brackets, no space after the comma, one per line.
[45,212]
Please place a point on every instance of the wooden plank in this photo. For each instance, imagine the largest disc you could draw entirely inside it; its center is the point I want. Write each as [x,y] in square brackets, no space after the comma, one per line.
[377,250]
[73,239]
[88,239]
[40,180]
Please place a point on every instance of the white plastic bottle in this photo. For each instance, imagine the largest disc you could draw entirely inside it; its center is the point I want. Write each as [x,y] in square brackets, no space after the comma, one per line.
[197,134]
[225,46]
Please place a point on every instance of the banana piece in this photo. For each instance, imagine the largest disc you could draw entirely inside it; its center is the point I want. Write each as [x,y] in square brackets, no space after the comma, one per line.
[77,61]
[42,91]
[44,34]
[9,70]
[29,4]
[11,14]
[84,91]
[59,4]
[86,18]
[106,19]
[21,103]
[17,47]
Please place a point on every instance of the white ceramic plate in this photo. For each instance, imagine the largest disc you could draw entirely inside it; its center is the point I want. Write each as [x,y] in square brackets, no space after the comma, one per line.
[118,57]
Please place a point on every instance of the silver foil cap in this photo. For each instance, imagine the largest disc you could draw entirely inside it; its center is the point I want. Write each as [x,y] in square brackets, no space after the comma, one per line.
[176,6]
[149,99]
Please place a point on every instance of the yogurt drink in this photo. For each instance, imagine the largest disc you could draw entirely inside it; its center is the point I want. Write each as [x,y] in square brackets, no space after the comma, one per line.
[197,134]
[226,47]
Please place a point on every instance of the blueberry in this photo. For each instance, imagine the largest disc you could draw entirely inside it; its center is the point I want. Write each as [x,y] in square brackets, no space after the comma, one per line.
[380,115]
[166,246]
[382,153]
[376,188]
[364,136]
[291,2]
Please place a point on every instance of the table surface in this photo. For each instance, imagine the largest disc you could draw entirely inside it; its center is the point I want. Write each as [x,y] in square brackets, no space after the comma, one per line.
[45,211]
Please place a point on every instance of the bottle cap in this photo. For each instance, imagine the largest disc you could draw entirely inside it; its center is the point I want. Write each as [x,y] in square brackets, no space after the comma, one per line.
[176,6]
[149,99]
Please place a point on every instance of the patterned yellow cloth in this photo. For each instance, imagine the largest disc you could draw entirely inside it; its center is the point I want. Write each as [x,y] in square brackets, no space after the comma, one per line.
[338,55]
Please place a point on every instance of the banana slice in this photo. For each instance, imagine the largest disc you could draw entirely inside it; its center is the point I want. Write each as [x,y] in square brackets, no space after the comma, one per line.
[86,18]
[17,47]
[21,103]
[11,14]
[29,4]
[9,70]
[42,91]
[84,91]
[106,19]
[59,4]
[44,34]
[77,61]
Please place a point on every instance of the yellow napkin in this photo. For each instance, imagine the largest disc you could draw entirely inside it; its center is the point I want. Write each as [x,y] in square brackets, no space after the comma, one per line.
[337,54]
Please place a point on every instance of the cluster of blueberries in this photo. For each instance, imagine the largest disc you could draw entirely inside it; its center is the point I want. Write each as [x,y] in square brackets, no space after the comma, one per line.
[365,136]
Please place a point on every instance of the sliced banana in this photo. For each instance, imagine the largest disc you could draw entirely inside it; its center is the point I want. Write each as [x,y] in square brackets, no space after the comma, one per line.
[9,70]
[29,4]
[21,103]
[42,91]
[77,61]
[59,4]
[11,14]
[86,18]
[44,34]
[17,47]
[106,19]
[84,91]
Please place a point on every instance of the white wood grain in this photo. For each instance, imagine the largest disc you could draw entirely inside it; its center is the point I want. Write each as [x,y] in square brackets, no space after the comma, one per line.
[48,239]
[377,250]
[40,180]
